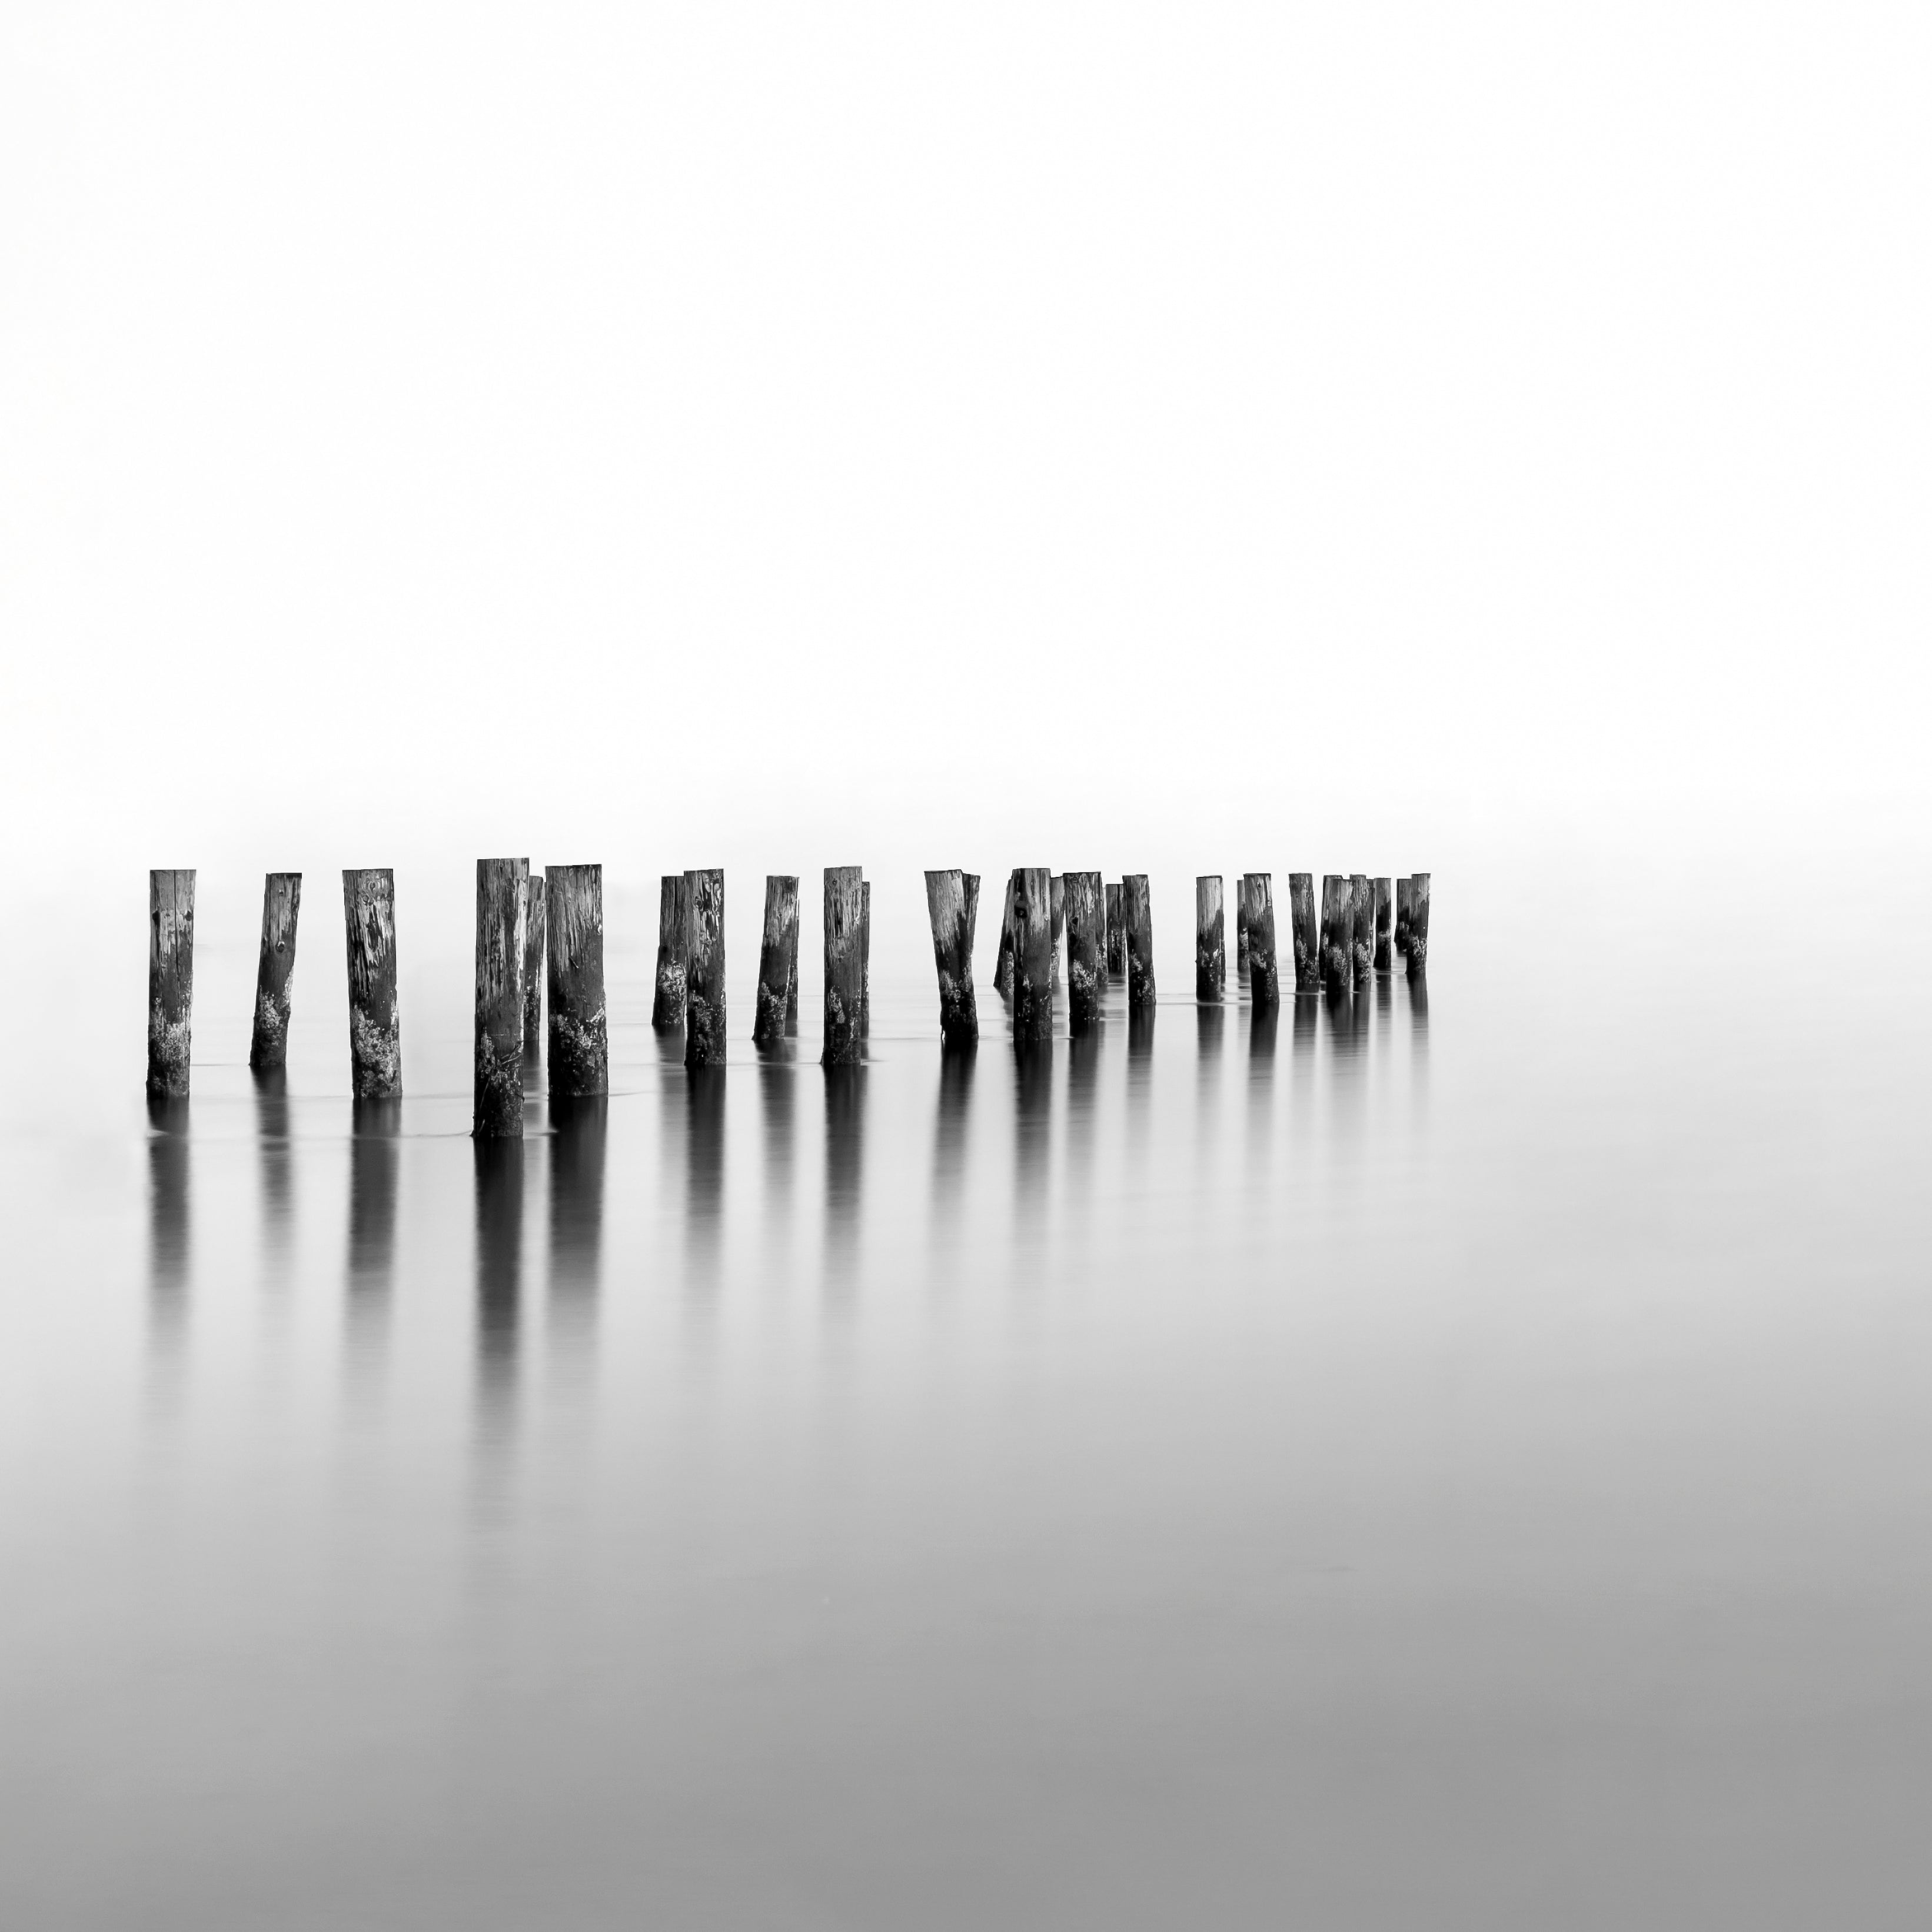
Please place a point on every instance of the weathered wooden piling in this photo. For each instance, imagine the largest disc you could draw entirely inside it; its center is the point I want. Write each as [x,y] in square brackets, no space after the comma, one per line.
[1116,931]
[844,966]
[1404,892]
[1338,932]
[952,907]
[1264,960]
[1003,966]
[1033,956]
[275,974]
[502,914]
[673,943]
[170,982]
[1086,959]
[704,969]
[580,1045]
[1384,920]
[1137,909]
[1418,925]
[778,953]
[1241,924]
[1057,885]
[536,944]
[1362,946]
[375,1025]
[1304,932]
[865,959]
[1211,944]
[791,984]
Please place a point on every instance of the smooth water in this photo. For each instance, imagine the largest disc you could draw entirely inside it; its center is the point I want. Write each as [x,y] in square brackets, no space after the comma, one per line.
[1464,1459]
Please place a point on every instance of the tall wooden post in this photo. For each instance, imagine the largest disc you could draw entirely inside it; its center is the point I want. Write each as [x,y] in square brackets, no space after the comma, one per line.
[170,982]
[1384,920]
[791,980]
[1241,924]
[580,1042]
[1003,966]
[704,969]
[1338,932]
[777,953]
[502,914]
[865,959]
[1086,959]
[1305,930]
[1057,886]
[1418,925]
[844,966]
[375,1025]
[536,943]
[1264,962]
[1211,947]
[1363,950]
[952,910]
[1116,931]
[674,943]
[275,974]
[1033,956]
[1137,908]
[1405,890]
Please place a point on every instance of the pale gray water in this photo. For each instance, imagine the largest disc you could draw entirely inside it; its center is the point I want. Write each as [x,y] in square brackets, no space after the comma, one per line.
[1467,1467]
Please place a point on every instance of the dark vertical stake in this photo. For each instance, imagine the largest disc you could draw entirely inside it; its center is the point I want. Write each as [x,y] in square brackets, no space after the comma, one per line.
[1057,886]
[1033,956]
[503,915]
[865,959]
[1405,890]
[1137,908]
[536,926]
[951,907]
[1338,932]
[1003,966]
[844,966]
[704,969]
[1418,925]
[791,969]
[1086,960]
[579,1040]
[777,953]
[1385,919]
[170,982]
[1263,961]
[375,1025]
[674,939]
[1305,930]
[1116,931]
[281,906]
[1210,937]
[1241,924]
[1362,953]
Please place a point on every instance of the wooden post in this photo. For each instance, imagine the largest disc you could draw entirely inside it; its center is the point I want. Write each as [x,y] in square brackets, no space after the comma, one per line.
[1264,962]
[1338,932]
[951,909]
[791,976]
[1241,924]
[535,946]
[865,959]
[777,956]
[1210,946]
[1418,925]
[375,1026]
[502,916]
[170,982]
[1304,932]
[704,969]
[673,942]
[1385,920]
[1405,890]
[1033,956]
[281,905]
[1003,966]
[1362,952]
[1137,908]
[844,966]
[1057,886]
[580,1042]
[1116,931]
[1086,958]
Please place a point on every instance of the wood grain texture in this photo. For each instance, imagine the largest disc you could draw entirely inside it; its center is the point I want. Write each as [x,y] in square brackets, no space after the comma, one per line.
[375,1026]
[536,929]
[1057,884]
[1418,925]
[865,959]
[951,907]
[1362,935]
[704,968]
[1003,966]
[1210,938]
[1116,931]
[580,1043]
[1305,932]
[503,915]
[1241,924]
[275,971]
[170,983]
[1338,933]
[844,966]
[1264,960]
[673,938]
[1086,951]
[1137,909]
[1033,956]
[1385,922]
[1404,891]
[777,951]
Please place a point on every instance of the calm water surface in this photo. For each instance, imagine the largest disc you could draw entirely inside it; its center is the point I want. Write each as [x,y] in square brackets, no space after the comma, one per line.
[1461,1459]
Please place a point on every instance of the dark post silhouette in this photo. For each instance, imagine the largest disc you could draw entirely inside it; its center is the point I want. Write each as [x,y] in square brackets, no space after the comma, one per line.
[1418,925]
[1057,885]
[1305,931]
[777,954]
[952,907]
[673,943]
[170,982]
[1086,941]
[865,959]
[281,905]
[1263,963]
[1384,917]
[535,945]
[1338,932]
[1003,966]
[704,970]
[1137,907]
[375,1026]
[1117,932]
[502,910]
[580,1046]
[1241,924]
[1362,951]
[1211,940]
[1405,890]
[844,966]
[1033,956]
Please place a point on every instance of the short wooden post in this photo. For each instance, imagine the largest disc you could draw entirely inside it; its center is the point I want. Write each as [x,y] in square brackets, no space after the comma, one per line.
[844,966]
[1003,966]
[777,953]
[502,915]
[1241,923]
[865,959]
[1405,889]
[1086,956]
[1385,922]
[1137,909]
[1033,956]
[673,939]
[1304,932]
[1362,934]
[1057,885]
[580,1042]
[534,946]
[704,969]
[375,1025]
[170,982]
[1116,931]
[1210,946]
[1418,925]
[1264,962]
[281,905]
[1338,932]
[952,910]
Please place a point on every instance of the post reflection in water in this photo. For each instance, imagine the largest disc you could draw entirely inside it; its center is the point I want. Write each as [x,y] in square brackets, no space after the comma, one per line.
[576,1226]
[949,1143]
[1083,1109]
[778,1096]
[1033,1131]
[1307,1021]
[1264,1022]
[271,1134]
[704,1175]
[1210,1020]
[844,1172]
[374,1149]
[500,1258]
[168,1228]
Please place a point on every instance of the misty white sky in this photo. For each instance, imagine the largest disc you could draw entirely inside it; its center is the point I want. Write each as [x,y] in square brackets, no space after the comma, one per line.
[826,432]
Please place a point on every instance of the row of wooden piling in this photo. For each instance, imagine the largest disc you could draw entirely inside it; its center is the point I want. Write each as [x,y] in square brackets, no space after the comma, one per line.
[548,931]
